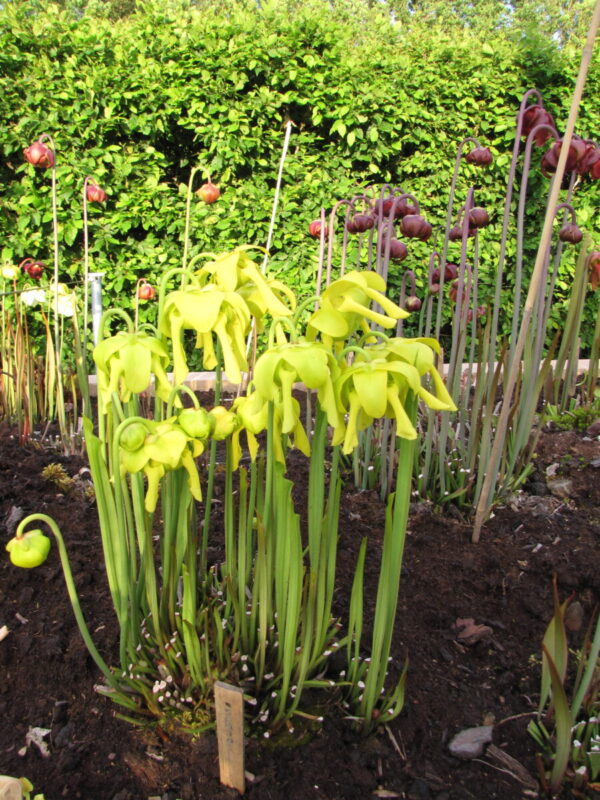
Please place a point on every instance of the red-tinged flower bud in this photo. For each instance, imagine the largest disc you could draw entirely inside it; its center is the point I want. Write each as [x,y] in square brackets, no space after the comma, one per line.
[577,151]
[450,272]
[478,218]
[590,161]
[532,117]
[453,291]
[570,233]
[363,222]
[315,229]
[434,288]
[403,209]
[455,233]
[35,269]
[480,157]
[39,155]
[94,193]
[412,303]
[398,250]
[383,207]
[481,311]
[208,192]
[595,269]
[350,226]
[416,227]
[146,291]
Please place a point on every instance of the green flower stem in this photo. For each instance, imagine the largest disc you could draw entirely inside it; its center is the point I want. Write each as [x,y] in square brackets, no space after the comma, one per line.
[389,575]
[230,565]
[212,465]
[73,596]
[355,619]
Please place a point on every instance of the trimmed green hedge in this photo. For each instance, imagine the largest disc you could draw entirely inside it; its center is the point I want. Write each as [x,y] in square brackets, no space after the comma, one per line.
[137,102]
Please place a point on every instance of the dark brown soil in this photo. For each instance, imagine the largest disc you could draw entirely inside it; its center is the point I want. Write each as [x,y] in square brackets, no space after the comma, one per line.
[504,583]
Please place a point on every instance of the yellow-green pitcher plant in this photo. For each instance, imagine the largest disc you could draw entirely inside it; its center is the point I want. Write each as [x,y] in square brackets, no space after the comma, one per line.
[262,617]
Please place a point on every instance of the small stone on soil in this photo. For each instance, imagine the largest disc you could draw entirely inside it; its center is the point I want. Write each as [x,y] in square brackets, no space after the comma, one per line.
[471,742]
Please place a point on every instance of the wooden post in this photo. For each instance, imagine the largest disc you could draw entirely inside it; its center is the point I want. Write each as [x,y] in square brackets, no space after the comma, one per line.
[229,707]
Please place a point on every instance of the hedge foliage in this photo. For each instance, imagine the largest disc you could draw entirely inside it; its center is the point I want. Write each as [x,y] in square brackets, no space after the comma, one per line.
[136,102]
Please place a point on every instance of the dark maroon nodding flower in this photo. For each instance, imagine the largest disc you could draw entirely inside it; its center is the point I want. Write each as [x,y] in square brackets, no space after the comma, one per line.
[39,155]
[532,117]
[412,303]
[383,207]
[589,163]
[403,209]
[35,269]
[94,193]
[480,157]
[416,227]
[398,250]
[570,233]
[577,152]
[455,233]
[478,218]
[363,222]
[453,291]
[450,272]
[350,226]
[434,288]
[315,229]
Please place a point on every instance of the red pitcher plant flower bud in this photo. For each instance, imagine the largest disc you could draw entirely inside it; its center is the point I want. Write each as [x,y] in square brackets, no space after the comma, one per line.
[35,269]
[146,291]
[362,222]
[209,192]
[570,233]
[398,250]
[532,117]
[412,303]
[478,218]
[590,161]
[595,269]
[479,157]
[383,207]
[315,229]
[403,208]
[416,227]
[450,272]
[39,155]
[94,193]
[577,151]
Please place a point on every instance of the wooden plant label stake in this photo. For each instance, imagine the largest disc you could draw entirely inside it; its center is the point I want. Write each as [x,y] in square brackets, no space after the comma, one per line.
[229,707]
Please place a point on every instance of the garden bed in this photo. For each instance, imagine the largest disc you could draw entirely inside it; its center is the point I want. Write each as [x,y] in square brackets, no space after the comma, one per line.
[491,677]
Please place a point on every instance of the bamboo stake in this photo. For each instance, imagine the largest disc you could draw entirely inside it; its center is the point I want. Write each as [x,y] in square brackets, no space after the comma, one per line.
[484,503]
